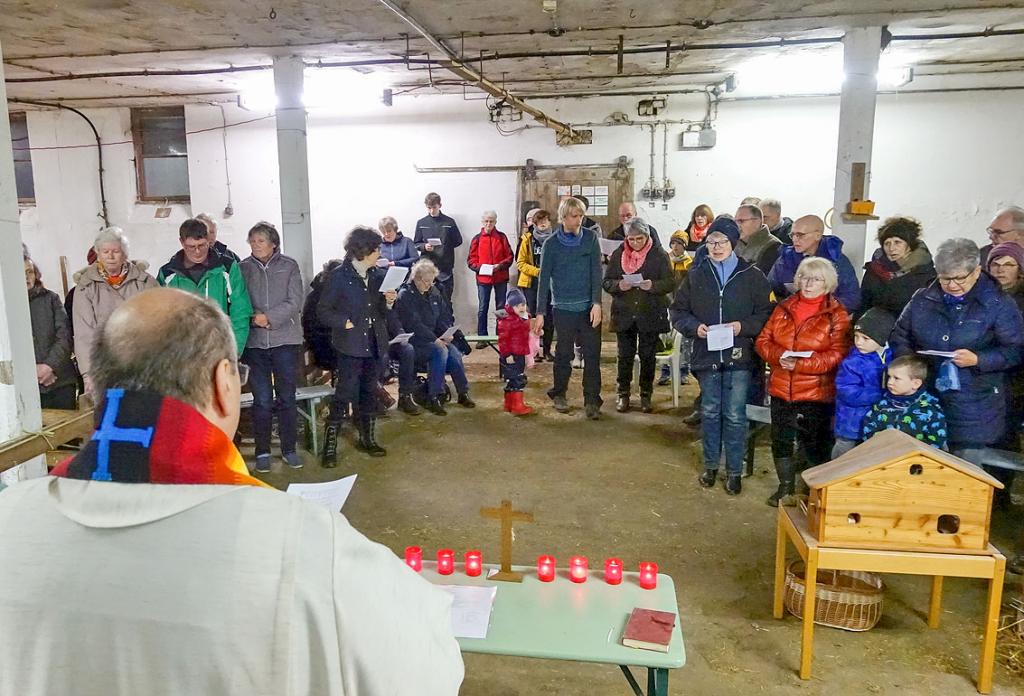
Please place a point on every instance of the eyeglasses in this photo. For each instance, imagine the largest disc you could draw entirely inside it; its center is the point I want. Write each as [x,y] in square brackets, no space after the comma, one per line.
[993,232]
[959,281]
[811,280]
[801,235]
[718,243]
[243,373]
[740,221]
[197,248]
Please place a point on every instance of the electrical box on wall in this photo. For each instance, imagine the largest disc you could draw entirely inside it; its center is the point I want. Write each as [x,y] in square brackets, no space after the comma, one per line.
[650,107]
[703,139]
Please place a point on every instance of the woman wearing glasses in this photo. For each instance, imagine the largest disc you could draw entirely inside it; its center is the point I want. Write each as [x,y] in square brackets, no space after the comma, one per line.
[803,343]
[723,297]
[966,314]
[900,266]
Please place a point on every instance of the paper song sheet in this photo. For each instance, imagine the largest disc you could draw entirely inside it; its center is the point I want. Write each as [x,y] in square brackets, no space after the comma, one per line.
[937,353]
[400,338]
[608,246]
[434,241]
[797,353]
[720,337]
[332,494]
[395,277]
[449,334]
[383,262]
[487,269]
[633,279]
[471,609]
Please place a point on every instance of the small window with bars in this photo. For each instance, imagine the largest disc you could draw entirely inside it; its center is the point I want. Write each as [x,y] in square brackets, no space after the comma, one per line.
[161,153]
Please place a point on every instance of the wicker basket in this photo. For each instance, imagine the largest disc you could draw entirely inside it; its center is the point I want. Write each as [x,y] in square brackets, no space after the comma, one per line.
[846,599]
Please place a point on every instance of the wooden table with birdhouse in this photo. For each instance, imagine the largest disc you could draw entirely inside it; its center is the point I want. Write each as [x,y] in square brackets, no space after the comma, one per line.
[894,505]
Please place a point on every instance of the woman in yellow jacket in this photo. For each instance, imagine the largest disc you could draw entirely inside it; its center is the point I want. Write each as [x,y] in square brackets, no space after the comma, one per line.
[531,245]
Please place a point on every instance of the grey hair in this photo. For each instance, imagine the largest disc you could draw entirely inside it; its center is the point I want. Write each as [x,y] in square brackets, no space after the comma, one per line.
[489,214]
[816,264]
[387,222]
[210,223]
[751,200]
[422,268]
[754,211]
[771,204]
[957,255]
[111,234]
[636,225]
[1016,214]
[176,358]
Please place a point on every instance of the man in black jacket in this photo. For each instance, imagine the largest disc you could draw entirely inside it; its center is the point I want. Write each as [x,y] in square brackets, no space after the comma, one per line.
[781,227]
[439,227]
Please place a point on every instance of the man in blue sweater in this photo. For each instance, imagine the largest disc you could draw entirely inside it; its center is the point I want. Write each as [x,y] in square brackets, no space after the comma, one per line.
[570,279]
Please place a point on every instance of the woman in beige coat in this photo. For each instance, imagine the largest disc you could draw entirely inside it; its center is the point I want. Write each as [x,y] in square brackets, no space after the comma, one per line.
[101,288]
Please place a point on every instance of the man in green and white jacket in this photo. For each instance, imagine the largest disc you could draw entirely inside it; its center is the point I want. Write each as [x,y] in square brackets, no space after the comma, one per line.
[201,270]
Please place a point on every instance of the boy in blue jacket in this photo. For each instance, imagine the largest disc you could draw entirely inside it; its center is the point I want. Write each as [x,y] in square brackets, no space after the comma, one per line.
[907,407]
[859,381]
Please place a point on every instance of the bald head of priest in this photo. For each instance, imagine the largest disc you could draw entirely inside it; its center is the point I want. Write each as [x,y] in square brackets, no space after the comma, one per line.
[151,562]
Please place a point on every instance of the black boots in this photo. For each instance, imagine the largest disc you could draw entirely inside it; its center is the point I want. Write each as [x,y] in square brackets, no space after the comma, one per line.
[329,454]
[785,469]
[466,402]
[407,406]
[622,403]
[436,406]
[367,441]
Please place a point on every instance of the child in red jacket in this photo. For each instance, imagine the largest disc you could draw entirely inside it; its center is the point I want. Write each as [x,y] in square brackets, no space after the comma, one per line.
[514,346]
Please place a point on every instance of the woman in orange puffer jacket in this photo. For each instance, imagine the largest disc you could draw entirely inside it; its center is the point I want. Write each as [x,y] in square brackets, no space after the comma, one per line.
[803,388]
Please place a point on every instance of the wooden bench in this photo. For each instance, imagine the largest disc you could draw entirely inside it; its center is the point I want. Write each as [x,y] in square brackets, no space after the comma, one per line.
[307,399]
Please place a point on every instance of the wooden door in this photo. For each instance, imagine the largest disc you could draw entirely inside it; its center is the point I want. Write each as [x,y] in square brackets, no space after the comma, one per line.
[547,185]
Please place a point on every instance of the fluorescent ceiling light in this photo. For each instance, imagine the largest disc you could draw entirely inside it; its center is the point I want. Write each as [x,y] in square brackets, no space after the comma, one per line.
[327,88]
[811,73]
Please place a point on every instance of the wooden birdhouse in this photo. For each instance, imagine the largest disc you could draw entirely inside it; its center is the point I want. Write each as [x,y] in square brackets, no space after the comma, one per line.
[896,493]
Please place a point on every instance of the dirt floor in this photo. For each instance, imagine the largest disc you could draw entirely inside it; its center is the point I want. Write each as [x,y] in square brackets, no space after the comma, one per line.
[626,486]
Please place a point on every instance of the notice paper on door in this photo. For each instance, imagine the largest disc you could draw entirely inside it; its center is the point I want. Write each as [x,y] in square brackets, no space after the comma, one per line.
[471,609]
[487,269]
[797,353]
[394,279]
[332,494]
[564,191]
[720,337]
[600,190]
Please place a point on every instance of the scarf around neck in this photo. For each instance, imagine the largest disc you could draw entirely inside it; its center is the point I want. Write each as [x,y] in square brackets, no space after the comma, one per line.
[113,281]
[567,239]
[633,260]
[542,235]
[143,437]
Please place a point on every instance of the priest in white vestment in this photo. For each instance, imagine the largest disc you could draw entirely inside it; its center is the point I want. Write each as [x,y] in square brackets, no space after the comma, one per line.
[152,564]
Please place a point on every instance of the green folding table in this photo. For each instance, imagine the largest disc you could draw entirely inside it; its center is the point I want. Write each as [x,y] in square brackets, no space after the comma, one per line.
[563,620]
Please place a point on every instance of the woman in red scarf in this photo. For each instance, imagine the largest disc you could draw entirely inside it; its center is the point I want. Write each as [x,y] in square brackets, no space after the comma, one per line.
[639,279]
[697,230]
[803,387]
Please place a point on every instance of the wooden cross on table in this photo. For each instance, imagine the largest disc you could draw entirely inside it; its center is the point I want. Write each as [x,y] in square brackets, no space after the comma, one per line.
[507,515]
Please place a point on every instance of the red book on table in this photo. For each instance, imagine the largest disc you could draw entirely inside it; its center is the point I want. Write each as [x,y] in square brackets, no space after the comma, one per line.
[649,629]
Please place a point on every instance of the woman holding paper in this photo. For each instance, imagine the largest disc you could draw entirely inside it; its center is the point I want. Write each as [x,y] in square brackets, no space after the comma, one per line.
[274,347]
[722,304]
[977,335]
[639,279]
[358,312]
[803,343]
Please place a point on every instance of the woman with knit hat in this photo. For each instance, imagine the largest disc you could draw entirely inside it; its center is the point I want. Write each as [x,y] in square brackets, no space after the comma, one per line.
[726,295]
[639,279]
[900,266]
[1004,264]
[813,323]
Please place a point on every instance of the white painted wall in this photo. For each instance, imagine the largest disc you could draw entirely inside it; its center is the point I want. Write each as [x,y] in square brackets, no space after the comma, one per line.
[948,159]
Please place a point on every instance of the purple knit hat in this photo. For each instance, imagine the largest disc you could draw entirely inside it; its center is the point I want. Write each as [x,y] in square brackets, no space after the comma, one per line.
[1012,249]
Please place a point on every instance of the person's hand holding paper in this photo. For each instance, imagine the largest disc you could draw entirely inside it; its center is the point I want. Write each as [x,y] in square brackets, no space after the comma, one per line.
[720,337]
[394,278]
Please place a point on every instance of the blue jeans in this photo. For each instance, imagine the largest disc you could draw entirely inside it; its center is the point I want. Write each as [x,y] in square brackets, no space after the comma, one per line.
[273,370]
[441,361]
[724,417]
[483,297]
[405,354]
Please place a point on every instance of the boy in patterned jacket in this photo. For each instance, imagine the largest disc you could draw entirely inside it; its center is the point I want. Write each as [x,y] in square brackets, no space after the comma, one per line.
[514,346]
[907,407]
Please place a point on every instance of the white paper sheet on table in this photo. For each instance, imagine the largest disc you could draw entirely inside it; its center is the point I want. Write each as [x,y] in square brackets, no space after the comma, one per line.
[400,338]
[797,353]
[395,277]
[449,334]
[633,279]
[471,609]
[331,494]
[487,269]
[608,246]
[938,353]
[720,337]
[434,241]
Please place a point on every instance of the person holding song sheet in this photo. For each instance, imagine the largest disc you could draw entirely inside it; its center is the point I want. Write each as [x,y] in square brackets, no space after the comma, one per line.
[803,343]
[639,279]
[722,304]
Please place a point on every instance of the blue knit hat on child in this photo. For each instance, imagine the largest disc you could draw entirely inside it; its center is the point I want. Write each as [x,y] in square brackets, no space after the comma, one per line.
[515,297]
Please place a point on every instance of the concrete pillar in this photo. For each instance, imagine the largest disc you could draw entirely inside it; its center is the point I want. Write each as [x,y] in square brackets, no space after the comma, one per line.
[861,48]
[19,391]
[293,164]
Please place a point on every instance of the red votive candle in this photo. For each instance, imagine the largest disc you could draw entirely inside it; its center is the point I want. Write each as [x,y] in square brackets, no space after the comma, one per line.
[545,568]
[578,568]
[648,575]
[474,562]
[445,561]
[414,557]
[613,571]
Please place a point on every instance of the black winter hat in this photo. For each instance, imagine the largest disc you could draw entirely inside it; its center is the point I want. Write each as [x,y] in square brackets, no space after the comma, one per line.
[726,226]
[876,324]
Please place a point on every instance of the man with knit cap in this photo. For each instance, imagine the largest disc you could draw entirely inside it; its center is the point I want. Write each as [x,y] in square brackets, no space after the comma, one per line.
[809,240]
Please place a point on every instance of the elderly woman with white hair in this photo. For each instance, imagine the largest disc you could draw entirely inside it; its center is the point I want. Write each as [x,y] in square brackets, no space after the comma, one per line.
[103,287]
[490,257]
[964,313]
[804,341]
